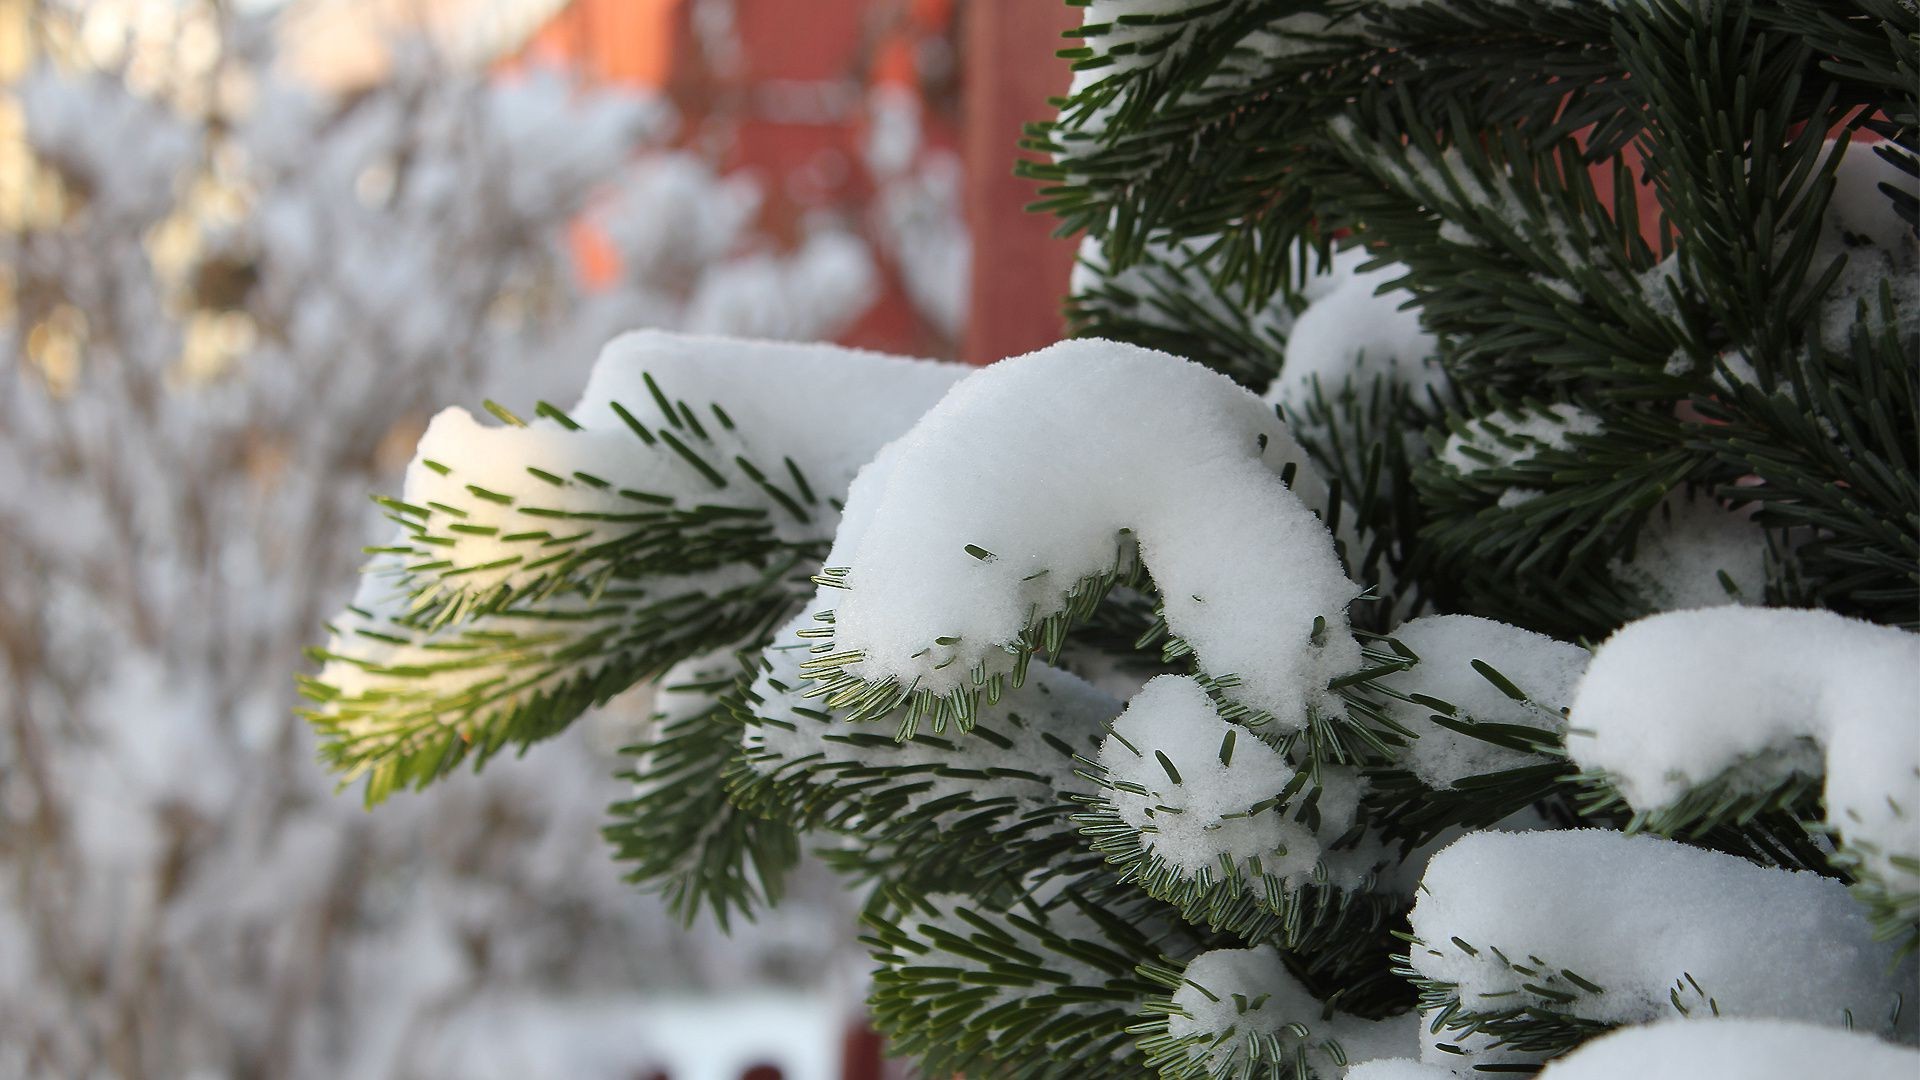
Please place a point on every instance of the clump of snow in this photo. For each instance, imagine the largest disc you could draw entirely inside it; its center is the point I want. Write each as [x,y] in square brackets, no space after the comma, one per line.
[1678,699]
[1696,553]
[1044,469]
[1508,438]
[1358,327]
[1200,790]
[1705,1049]
[1545,672]
[1626,929]
[1239,1009]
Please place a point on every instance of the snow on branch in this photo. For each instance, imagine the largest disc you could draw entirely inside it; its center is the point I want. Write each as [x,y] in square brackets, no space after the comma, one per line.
[1239,1012]
[1529,943]
[1041,481]
[1205,814]
[1692,715]
[1749,1049]
[1482,697]
[926,799]
[1693,1049]
[541,566]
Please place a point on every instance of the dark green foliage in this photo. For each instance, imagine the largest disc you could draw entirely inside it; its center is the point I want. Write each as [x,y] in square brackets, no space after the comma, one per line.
[680,833]
[429,698]
[1046,985]
[1542,290]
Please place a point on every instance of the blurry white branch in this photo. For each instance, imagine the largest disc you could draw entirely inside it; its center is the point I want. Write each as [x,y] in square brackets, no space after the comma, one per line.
[213,316]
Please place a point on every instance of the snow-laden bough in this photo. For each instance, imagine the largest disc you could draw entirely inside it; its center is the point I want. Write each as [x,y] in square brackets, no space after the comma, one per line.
[1749,1049]
[1240,1012]
[1529,943]
[1807,693]
[540,566]
[1039,482]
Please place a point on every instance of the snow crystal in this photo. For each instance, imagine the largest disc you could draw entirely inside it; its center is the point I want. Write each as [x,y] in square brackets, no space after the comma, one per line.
[1198,788]
[1656,925]
[1231,999]
[1353,329]
[1675,700]
[1696,553]
[1044,469]
[1706,1049]
[1543,669]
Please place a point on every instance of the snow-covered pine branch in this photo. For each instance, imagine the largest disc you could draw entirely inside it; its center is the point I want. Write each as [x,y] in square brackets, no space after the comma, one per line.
[541,566]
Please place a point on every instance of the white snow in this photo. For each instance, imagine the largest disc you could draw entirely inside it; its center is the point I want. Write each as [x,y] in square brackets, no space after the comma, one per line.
[1543,669]
[1043,469]
[802,295]
[1677,699]
[1233,999]
[606,471]
[1182,272]
[1216,808]
[1399,1069]
[1879,247]
[1651,922]
[1707,1049]
[1358,328]
[1696,553]
[857,399]
[623,1036]
[124,152]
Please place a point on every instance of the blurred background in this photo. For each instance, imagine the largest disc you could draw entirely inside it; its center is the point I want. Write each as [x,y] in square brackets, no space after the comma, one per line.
[249,248]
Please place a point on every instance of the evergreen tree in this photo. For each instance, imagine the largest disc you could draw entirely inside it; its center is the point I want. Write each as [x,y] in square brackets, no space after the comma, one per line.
[1175,727]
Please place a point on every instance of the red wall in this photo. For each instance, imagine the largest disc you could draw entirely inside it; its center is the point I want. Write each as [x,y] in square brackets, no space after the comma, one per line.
[1020,270]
